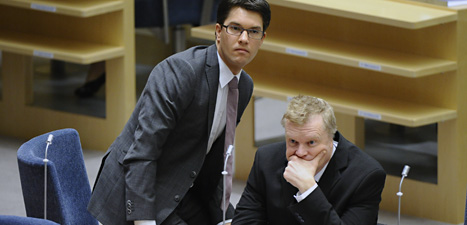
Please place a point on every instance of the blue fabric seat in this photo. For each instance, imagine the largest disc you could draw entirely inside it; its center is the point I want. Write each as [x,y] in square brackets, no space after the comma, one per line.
[465,215]
[20,220]
[68,188]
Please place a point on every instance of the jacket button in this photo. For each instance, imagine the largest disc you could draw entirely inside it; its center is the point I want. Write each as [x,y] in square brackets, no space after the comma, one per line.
[129,211]
[177,198]
[299,218]
[193,174]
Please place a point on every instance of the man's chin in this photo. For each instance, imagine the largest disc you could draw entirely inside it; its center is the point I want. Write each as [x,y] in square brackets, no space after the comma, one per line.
[242,62]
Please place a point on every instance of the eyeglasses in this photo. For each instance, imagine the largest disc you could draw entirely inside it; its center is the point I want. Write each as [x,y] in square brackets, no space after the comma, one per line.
[237,31]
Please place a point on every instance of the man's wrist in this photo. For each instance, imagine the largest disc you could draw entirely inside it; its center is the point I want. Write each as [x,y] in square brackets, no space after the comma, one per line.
[300,196]
[307,186]
[227,222]
[145,222]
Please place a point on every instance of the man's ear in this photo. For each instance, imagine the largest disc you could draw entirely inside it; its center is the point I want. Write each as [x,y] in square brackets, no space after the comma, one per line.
[218,32]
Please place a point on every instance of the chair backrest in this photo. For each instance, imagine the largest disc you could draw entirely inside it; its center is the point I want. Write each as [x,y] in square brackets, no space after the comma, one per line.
[150,13]
[465,215]
[20,220]
[68,188]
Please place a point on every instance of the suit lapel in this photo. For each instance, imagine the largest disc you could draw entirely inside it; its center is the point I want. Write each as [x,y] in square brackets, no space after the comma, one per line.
[212,77]
[337,163]
[243,95]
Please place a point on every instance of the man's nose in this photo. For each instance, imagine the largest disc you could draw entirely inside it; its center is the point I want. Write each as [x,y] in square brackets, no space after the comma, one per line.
[244,35]
[301,151]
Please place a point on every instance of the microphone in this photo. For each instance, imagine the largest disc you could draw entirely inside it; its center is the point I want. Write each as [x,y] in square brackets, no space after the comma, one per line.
[229,150]
[405,173]
[45,160]
[224,174]
[50,138]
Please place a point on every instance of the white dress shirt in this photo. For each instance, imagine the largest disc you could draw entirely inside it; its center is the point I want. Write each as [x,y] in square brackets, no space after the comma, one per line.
[218,123]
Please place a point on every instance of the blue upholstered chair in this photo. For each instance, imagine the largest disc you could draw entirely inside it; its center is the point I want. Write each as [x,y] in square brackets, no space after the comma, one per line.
[20,220]
[68,188]
[465,215]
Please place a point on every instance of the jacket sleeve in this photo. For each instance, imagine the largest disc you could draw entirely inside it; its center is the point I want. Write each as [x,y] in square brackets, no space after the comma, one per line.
[163,100]
[361,209]
[217,214]
[251,209]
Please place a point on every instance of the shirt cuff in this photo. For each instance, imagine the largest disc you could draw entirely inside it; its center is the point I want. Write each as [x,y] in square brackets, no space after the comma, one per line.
[145,222]
[300,196]
[227,221]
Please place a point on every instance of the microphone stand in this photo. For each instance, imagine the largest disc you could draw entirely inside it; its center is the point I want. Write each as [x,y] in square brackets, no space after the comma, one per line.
[405,172]
[45,160]
[224,174]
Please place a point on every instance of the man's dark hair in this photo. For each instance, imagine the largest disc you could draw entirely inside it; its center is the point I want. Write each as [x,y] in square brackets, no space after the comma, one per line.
[259,6]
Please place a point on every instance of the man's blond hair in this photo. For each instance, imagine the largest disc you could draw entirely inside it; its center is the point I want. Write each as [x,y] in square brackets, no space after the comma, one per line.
[302,107]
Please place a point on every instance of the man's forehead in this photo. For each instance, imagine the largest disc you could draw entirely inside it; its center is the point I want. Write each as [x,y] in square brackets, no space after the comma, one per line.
[233,18]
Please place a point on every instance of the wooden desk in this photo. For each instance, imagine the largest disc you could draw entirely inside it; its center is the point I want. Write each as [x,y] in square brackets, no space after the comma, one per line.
[74,31]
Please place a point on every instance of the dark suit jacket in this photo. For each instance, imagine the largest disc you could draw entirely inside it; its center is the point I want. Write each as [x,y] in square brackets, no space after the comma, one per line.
[349,191]
[153,163]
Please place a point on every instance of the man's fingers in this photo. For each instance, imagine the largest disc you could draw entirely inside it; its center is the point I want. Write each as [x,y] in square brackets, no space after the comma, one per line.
[293,157]
[321,155]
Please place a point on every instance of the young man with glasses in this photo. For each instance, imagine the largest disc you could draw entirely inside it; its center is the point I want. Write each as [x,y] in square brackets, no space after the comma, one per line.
[165,167]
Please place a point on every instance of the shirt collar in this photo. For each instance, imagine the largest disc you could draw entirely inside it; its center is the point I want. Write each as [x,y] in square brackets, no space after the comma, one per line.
[225,75]
[320,173]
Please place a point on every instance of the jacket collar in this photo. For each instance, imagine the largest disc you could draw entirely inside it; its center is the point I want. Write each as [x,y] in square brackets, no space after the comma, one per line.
[336,165]
[212,77]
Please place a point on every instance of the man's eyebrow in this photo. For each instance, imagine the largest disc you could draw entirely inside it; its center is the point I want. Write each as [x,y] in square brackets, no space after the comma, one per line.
[255,28]
[237,24]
